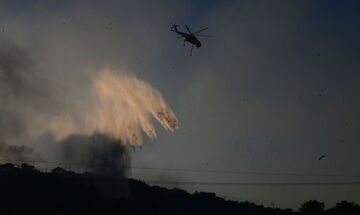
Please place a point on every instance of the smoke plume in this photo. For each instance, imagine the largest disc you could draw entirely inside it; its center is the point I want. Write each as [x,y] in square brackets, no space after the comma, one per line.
[23,95]
[90,130]
[97,153]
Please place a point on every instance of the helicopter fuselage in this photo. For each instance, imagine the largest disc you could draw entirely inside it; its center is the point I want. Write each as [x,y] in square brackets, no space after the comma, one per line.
[190,38]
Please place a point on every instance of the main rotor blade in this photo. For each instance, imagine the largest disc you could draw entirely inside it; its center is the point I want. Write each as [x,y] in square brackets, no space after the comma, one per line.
[179,36]
[200,35]
[200,30]
[187,28]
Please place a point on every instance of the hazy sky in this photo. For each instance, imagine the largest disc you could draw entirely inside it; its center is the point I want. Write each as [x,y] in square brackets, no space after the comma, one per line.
[274,89]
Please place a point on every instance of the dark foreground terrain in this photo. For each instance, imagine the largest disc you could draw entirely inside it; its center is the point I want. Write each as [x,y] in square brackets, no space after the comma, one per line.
[25,190]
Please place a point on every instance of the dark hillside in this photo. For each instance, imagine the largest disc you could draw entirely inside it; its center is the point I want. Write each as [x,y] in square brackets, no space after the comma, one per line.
[26,190]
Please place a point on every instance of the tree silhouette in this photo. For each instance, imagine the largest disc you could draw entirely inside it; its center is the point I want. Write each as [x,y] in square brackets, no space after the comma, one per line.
[345,207]
[312,207]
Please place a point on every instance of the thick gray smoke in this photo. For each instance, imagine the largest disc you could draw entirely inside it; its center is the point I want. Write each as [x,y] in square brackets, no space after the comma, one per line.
[98,153]
[14,88]
[22,94]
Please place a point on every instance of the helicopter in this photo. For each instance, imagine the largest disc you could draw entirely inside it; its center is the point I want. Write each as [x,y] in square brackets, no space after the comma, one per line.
[189,37]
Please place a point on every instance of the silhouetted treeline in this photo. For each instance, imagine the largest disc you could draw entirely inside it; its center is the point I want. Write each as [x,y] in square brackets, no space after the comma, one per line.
[314,207]
[25,190]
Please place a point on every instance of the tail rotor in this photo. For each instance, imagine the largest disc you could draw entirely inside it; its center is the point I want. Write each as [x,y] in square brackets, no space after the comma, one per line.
[173,27]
